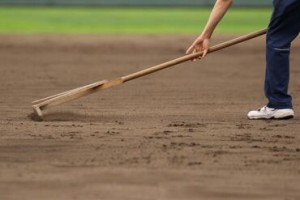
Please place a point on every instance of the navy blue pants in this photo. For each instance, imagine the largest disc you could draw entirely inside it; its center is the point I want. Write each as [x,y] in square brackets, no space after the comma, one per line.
[284,27]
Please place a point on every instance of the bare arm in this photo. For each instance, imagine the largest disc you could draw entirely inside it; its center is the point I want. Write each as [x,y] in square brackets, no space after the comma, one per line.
[202,42]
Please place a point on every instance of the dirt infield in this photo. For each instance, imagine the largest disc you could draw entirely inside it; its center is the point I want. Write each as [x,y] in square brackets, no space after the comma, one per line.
[181,133]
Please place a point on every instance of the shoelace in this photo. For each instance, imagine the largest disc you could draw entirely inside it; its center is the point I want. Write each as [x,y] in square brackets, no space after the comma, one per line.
[265,108]
[262,109]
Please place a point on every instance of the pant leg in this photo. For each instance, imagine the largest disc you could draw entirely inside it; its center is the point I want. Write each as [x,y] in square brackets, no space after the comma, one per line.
[283,29]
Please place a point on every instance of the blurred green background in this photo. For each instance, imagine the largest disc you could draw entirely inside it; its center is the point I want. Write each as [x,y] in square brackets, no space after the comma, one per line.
[38,18]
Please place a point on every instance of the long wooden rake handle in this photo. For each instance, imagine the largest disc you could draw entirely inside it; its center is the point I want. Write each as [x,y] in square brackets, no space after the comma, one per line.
[76,93]
[192,56]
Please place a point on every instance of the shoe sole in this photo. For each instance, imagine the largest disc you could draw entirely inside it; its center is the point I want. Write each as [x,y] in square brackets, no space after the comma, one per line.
[284,118]
[274,118]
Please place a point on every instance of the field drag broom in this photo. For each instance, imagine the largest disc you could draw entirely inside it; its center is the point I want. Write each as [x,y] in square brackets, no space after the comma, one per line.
[57,99]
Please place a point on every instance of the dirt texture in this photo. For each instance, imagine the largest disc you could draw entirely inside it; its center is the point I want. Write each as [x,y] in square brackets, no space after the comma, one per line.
[181,133]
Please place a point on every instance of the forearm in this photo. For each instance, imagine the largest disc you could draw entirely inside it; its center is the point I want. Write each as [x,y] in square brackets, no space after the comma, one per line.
[217,13]
[219,10]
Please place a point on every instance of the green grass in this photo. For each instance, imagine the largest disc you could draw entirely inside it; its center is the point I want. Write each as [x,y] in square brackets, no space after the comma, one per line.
[82,20]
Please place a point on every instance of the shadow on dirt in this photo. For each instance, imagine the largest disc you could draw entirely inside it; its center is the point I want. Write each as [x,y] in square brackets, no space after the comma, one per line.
[64,116]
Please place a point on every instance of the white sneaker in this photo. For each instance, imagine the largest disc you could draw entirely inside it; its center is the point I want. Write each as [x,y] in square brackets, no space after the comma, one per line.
[271,113]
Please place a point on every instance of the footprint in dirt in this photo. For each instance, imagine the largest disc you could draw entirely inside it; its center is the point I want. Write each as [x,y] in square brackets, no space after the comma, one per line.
[265,129]
[187,125]
[283,137]
[244,126]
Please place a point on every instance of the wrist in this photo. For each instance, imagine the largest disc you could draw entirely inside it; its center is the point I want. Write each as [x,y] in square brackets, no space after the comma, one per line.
[206,35]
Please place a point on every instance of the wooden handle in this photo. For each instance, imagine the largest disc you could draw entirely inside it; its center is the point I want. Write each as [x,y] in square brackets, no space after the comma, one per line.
[192,56]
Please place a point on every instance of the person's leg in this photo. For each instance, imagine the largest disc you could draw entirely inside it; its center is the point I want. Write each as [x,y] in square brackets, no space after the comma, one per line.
[283,29]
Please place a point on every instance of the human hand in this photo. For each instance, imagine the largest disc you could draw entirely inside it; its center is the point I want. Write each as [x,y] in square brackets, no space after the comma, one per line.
[200,44]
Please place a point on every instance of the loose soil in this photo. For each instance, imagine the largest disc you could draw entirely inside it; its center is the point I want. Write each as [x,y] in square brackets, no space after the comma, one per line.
[181,133]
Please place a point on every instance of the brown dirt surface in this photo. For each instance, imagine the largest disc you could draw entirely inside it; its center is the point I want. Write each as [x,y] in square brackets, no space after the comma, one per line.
[181,133]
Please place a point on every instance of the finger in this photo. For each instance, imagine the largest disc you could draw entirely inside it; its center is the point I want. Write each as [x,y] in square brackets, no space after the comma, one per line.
[205,48]
[194,51]
[204,53]
[190,49]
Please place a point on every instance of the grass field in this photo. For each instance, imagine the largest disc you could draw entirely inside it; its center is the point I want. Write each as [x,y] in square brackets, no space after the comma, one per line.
[82,20]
